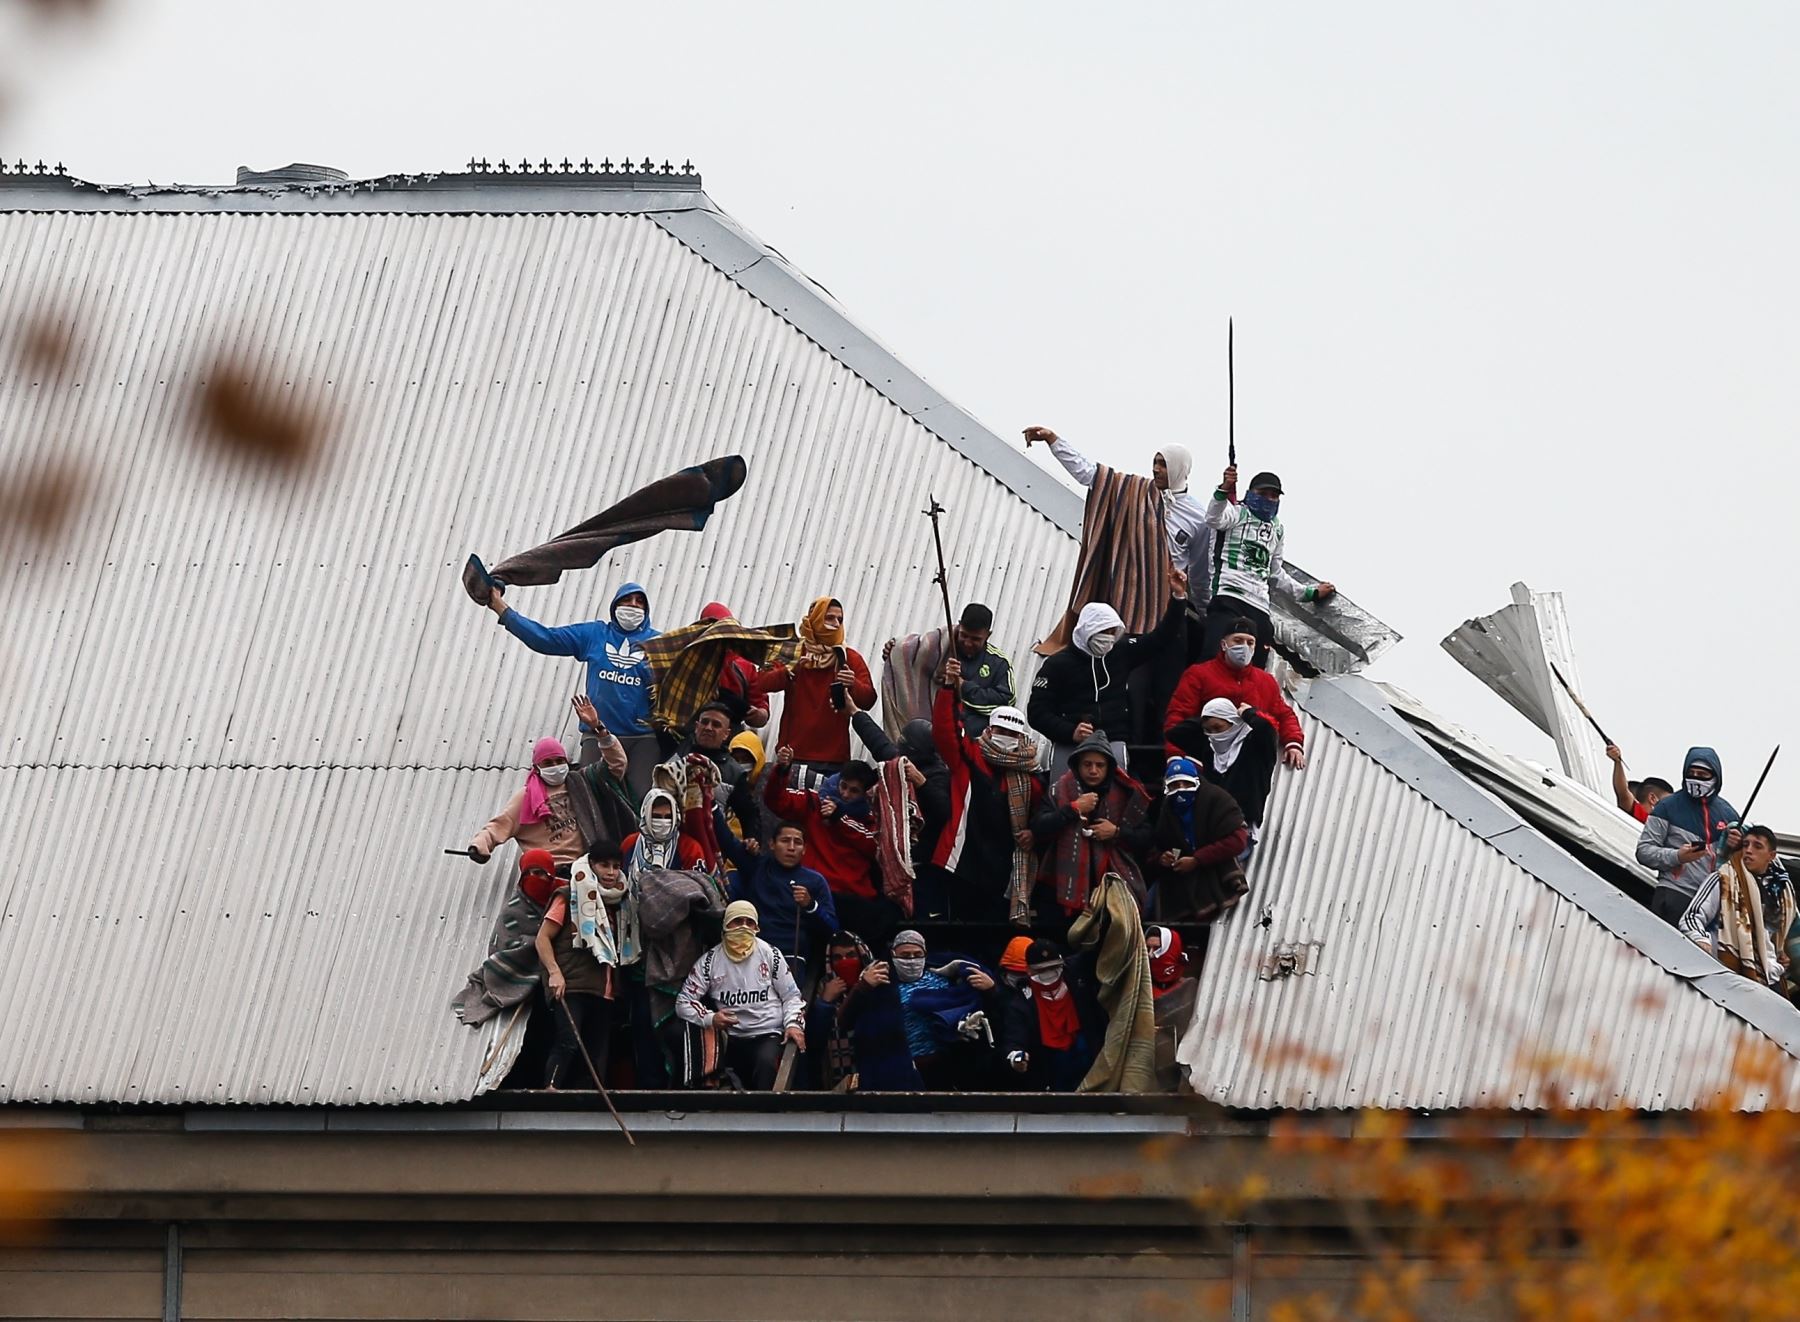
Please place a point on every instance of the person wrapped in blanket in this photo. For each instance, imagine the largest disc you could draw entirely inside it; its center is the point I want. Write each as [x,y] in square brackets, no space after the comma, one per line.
[1195,839]
[1095,821]
[1744,914]
[916,1027]
[745,986]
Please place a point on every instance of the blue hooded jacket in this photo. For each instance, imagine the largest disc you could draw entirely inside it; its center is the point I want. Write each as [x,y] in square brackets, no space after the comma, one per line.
[618,673]
[1680,819]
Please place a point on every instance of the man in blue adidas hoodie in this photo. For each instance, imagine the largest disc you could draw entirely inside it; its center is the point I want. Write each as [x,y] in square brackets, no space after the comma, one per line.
[618,674]
[1687,835]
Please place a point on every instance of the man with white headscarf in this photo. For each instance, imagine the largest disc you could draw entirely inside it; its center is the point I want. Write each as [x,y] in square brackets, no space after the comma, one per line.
[1235,747]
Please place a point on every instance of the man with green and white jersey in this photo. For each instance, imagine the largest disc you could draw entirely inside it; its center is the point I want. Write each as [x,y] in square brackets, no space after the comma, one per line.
[1248,564]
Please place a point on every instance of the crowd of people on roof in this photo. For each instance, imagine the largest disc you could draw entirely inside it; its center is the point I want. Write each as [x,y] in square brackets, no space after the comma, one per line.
[717,903]
[711,902]
[1719,882]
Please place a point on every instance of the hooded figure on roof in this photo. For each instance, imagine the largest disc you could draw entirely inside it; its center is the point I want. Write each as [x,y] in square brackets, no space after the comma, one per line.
[1195,840]
[1093,823]
[1687,834]
[1083,687]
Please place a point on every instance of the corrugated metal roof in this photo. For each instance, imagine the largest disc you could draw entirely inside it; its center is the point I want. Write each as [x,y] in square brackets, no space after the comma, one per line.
[1450,956]
[245,713]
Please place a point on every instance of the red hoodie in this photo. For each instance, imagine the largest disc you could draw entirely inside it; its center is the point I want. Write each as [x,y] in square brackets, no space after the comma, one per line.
[1219,679]
[841,848]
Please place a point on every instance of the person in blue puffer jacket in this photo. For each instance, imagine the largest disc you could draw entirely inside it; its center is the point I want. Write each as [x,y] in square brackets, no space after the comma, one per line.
[618,673]
[1687,835]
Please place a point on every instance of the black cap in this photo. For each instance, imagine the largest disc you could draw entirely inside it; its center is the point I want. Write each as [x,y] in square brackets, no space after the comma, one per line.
[976,616]
[1265,480]
[1041,952]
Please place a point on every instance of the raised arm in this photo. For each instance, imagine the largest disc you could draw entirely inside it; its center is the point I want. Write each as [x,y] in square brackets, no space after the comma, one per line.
[1079,466]
[1621,784]
[789,805]
[550,640]
[874,738]
[501,828]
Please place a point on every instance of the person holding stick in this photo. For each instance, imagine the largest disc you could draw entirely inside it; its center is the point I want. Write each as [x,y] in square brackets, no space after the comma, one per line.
[542,813]
[574,976]
[1636,797]
[1744,914]
[1249,564]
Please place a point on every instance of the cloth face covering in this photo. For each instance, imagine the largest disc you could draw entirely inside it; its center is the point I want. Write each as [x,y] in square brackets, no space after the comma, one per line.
[1700,789]
[739,942]
[1263,507]
[909,970]
[536,805]
[629,618]
[818,645]
[1227,744]
[554,775]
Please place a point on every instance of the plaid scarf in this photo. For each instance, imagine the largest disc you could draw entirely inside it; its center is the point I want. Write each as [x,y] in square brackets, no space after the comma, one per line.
[894,834]
[909,679]
[1124,556]
[512,970]
[1077,861]
[1013,770]
[687,662]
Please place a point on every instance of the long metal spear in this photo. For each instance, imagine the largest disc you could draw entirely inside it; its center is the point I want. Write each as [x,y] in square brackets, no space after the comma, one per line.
[1744,817]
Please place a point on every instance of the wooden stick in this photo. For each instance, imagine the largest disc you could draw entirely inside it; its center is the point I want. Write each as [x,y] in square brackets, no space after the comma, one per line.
[1582,706]
[595,1074]
[941,580]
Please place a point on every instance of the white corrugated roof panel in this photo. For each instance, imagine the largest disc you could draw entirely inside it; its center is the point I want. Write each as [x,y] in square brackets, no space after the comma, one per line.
[245,712]
[1447,956]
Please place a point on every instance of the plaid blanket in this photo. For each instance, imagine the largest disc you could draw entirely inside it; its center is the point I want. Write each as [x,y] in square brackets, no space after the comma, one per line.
[894,835]
[671,905]
[1127,1058]
[908,679]
[683,500]
[686,663]
[1124,556]
[512,970]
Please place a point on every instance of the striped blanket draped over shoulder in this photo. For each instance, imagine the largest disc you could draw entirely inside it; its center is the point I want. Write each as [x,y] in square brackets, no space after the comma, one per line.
[908,679]
[898,812]
[511,971]
[686,663]
[1124,556]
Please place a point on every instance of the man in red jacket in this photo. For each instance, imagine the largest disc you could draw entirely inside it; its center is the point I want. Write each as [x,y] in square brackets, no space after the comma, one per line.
[1230,675]
[842,842]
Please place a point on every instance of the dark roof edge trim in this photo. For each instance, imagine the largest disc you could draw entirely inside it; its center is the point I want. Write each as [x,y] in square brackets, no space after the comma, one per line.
[1355,708]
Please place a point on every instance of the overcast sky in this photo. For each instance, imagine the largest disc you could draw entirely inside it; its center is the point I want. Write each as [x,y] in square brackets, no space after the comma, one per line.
[1514,284]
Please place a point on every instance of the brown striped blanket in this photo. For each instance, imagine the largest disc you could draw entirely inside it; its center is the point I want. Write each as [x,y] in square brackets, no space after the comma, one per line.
[1124,556]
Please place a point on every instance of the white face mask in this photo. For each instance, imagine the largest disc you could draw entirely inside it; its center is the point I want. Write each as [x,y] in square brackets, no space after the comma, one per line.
[909,969]
[629,618]
[1004,741]
[1700,789]
[1237,655]
[660,829]
[1102,643]
[1047,977]
[553,773]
